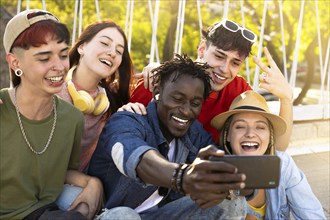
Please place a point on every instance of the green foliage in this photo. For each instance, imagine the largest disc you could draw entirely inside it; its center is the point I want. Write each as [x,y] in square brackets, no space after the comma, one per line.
[211,11]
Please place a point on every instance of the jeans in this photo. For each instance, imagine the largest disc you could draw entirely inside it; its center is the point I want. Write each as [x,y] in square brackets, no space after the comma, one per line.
[118,213]
[183,208]
[67,196]
[51,212]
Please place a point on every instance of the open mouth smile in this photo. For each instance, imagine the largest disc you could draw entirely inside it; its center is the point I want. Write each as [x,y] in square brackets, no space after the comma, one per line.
[107,62]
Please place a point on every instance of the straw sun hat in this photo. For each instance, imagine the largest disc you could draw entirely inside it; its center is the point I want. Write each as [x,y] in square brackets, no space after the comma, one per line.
[251,101]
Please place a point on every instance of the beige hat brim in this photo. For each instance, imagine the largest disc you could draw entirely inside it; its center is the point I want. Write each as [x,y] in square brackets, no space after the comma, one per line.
[278,123]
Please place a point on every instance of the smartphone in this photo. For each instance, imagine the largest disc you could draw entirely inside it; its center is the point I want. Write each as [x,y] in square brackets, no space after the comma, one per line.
[261,172]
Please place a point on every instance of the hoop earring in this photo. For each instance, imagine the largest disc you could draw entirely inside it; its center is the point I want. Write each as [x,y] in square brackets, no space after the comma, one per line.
[18,72]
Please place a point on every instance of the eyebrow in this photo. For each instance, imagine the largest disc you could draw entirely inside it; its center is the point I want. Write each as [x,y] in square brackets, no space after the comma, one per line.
[257,122]
[49,52]
[222,53]
[112,40]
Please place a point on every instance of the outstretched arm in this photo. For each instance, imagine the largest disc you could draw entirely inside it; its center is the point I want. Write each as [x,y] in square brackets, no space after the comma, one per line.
[273,80]
[207,182]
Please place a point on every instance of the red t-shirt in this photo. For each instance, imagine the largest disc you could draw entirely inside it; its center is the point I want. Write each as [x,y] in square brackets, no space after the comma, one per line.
[216,103]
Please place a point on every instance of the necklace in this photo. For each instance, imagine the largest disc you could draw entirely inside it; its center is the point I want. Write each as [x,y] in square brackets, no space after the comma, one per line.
[23,131]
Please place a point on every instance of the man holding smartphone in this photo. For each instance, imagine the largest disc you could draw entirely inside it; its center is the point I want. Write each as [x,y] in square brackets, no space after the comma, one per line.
[156,165]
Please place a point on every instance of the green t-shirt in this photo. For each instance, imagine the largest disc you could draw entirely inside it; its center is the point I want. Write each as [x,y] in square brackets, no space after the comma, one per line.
[29,181]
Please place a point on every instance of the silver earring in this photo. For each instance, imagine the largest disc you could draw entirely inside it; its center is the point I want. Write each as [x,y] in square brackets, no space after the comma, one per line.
[18,72]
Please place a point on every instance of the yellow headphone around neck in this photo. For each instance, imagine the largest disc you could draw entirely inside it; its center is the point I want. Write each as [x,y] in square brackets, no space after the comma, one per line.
[84,101]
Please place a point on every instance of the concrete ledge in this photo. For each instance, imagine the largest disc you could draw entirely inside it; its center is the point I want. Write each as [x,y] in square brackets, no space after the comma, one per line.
[308,149]
[310,130]
[311,136]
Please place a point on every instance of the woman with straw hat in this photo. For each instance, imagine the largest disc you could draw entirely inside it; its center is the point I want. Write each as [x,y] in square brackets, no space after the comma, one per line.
[248,128]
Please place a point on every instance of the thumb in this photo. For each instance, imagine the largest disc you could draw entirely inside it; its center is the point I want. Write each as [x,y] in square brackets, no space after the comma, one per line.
[208,151]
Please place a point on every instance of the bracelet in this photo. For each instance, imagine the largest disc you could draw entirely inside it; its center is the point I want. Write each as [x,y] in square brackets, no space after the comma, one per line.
[179,179]
[174,176]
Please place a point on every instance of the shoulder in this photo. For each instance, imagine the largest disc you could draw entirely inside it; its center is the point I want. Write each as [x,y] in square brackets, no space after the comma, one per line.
[196,132]
[239,82]
[4,96]
[141,94]
[284,156]
[67,110]
[64,93]
[4,93]
[125,117]
[237,86]
[288,166]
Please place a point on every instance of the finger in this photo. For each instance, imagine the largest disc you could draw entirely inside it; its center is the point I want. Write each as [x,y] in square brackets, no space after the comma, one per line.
[145,73]
[127,108]
[263,78]
[270,59]
[75,204]
[261,64]
[218,168]
[210,150]
[139,108]
[138,76]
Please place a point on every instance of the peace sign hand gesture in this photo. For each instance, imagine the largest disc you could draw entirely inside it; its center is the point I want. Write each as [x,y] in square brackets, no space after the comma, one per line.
[273,80]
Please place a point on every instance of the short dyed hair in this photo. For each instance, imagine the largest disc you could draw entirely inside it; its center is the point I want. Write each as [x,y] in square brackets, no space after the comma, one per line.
[35,36]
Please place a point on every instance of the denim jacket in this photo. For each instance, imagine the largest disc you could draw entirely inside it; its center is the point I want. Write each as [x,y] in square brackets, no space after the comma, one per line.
[123,141]
[293,194]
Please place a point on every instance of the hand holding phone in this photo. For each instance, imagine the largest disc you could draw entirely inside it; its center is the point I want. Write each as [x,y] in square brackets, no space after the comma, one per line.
[261,171]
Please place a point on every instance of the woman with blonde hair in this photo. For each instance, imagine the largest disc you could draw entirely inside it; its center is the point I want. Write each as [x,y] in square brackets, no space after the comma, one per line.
[248,128]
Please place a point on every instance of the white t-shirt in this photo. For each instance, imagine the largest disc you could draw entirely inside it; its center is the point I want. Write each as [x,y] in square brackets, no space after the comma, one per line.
[155,198]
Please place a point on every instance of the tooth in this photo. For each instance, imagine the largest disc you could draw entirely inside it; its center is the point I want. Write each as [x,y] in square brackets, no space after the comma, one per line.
[219,77]
[55,78]
[180,120]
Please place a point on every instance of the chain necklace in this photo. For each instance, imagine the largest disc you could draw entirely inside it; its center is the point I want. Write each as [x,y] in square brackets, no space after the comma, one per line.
[23,131]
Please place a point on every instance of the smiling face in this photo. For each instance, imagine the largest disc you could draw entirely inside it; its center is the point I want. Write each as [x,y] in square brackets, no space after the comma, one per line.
[44,67]
[103,54]
[249,134]
[225,64]
[179,104]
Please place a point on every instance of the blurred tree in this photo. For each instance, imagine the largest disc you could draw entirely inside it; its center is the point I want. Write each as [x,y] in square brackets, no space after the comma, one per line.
[211,12]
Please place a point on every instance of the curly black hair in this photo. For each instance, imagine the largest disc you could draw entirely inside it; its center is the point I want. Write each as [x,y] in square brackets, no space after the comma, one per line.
[182,65]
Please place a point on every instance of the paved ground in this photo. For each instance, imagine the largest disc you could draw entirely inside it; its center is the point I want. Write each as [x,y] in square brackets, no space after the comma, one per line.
[316,168]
